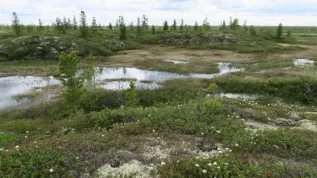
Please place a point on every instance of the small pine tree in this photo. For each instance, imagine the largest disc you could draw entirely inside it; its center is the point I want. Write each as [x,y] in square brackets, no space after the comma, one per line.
[75,23]
[138,27]
[165,26]
[16,24]
[89,72]
[196,27]
[40,27]
[110,26]
[145,25]
[153,30]
[123,29]
[174,26]
[94,23]
[223,26]
[68,66]
[279,31]
[65,23]
[245,27]
[83,25]
[206,24]
[181,27]
[131,96]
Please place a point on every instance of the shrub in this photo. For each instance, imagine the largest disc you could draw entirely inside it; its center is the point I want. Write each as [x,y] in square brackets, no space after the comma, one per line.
[211,107]
[213,88]
[131,96]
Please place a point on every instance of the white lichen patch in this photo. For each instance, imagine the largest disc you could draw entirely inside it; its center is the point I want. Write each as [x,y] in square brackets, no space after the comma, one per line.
[253,125]
[134,168]
[307,125]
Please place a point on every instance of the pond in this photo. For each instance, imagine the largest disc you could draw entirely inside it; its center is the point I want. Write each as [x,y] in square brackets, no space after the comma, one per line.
[177,62]
[237,96]
[143,79]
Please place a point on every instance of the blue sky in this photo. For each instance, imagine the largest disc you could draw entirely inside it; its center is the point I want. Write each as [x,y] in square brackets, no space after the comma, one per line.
[255,12]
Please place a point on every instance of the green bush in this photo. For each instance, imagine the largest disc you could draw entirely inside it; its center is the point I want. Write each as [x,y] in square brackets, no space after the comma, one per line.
[212,106]
[213,88]
[7,139]
[131,96]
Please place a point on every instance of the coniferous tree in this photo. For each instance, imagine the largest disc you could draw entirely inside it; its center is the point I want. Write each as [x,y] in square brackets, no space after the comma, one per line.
[181,27]
[174,26]
[123,29]
[99,26]
[138,27]
[206,24]
[40,27]
[196,27]
[83,25]
[223,26]
[94,23]
[65,23]
[58,25]
[165,26]
[279,31]
[145,24]
[245,27]
[75,23]
[16,24]
[153,30]
[110,26]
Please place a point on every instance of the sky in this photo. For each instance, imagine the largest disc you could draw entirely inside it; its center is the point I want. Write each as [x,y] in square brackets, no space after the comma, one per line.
[255,12]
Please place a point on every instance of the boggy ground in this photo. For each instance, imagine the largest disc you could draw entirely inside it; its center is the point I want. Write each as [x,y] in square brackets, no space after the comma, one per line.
[174,131]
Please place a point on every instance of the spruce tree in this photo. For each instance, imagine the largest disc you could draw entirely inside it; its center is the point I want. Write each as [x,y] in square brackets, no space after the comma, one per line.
[123,29]
[16,25]
[75,23]
[131,27]
[145,25]
[138,27]
[174,27]
[206,24]
[181,27]
[196,27]
[94,23]
[165,26]
[153,30]
[223,26]
[245,27]
[110,26]
[279,31]
[40,27]
[83,25]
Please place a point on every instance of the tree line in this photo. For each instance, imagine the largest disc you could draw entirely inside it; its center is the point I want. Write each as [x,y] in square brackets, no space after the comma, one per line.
[63,25]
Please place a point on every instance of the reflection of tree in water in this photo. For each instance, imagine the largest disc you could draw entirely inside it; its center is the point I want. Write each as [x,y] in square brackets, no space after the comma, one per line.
[124,70]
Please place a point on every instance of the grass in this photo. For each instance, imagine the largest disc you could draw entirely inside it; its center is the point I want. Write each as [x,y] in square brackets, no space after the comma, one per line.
[175,127]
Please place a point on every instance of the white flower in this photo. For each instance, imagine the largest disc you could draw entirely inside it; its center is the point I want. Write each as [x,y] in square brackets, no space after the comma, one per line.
[103,135]
[227,149]
[177,161]
[218,167]
[204,171]
[163,163]
[36,146]
[209,164]
[34,141]
[230,151]
[218,131]
[226,163]
[197,165]
[17,147]
[27,132]
[153,130]
[215,163]
[26,136]
[51,170]
[237,145]
[1,149]
[202,133]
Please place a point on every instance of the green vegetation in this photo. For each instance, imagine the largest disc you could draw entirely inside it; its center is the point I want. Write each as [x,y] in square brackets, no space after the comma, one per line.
[183,128]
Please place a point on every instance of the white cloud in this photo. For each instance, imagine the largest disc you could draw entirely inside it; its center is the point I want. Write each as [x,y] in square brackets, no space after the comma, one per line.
[257,12]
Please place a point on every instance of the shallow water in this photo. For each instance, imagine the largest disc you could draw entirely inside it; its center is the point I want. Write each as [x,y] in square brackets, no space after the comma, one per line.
[177,62]
[303,62]
[16,85]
